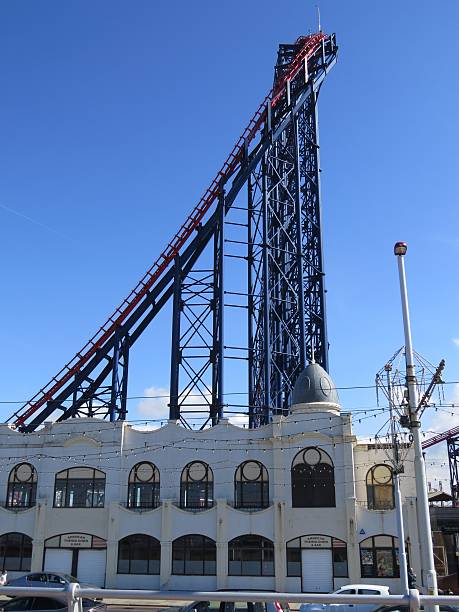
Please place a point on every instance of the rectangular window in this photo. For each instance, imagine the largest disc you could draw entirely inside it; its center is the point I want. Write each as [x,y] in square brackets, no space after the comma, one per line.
[79,493]
[340,563]
[366,558]
[384,563]
[377,559]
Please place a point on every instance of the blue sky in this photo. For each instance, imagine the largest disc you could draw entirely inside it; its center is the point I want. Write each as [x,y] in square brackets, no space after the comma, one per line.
[115,115]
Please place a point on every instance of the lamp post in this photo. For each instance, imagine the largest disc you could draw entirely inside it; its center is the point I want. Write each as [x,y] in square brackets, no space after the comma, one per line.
[414,424]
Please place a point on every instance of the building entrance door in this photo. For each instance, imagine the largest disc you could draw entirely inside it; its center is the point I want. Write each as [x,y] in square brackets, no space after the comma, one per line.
[58,560]
[81,555]
[91,566]
[316,571]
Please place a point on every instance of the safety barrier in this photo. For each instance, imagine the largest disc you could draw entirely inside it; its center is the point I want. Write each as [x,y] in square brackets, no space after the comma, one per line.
[74,594]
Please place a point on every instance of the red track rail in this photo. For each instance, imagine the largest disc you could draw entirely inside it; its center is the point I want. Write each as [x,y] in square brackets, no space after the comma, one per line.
[310,46]
[441,437]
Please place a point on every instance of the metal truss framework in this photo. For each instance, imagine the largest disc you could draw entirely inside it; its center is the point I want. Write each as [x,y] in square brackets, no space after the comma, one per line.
[452,441]
[453,456]
[261,211]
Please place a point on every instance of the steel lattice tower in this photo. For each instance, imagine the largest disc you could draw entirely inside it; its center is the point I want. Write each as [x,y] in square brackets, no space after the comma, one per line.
[253,246]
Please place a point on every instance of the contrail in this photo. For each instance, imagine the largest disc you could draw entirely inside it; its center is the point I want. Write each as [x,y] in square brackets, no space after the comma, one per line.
[35,222]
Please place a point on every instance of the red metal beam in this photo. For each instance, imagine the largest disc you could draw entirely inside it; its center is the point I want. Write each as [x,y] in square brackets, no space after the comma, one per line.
[441,437]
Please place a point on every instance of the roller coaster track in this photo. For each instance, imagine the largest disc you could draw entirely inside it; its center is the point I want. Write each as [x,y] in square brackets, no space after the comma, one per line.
[274,104]
[441,437]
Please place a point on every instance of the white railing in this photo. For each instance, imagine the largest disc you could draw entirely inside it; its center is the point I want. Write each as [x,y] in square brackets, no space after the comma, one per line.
[74,593]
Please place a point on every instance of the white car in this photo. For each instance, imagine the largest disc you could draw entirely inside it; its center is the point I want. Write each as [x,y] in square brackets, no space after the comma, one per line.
[349,589]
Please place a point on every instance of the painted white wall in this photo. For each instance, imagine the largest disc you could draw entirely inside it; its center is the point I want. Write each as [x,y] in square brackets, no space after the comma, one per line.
[116,447]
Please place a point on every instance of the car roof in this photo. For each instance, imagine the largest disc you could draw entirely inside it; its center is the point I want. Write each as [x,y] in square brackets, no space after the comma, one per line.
[46,572]
[364,586]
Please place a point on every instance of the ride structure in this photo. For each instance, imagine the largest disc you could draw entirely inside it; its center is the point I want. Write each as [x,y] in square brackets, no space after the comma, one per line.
[452,440]
[254,238]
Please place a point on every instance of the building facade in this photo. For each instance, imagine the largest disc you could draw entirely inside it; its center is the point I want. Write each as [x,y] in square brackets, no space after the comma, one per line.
[297,505]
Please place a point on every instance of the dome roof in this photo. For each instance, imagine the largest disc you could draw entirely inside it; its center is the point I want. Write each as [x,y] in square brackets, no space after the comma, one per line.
[314,386]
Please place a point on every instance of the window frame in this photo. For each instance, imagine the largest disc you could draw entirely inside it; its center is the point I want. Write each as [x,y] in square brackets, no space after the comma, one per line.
[187,545]
[25,543]
[66,489]
[374,550]
[261,481]
[236,549]
[187,484]
[136,484]
[29,487]
[373,486]
[299,481]
[154,546]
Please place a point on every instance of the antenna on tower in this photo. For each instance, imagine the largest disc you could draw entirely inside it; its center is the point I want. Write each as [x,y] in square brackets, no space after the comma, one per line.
[318,17]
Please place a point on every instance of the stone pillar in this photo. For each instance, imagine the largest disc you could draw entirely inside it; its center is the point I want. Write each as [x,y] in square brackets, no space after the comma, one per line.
[353,551]
[111,571]
[279,490]
[222,545]
[280,553]
[166,545]
[38,548]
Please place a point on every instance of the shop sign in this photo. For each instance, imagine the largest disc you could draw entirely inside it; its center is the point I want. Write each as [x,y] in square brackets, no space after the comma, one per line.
[315,541]
[76,540]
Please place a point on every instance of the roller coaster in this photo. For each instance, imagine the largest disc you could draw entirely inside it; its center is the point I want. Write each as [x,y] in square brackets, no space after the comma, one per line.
[261,211]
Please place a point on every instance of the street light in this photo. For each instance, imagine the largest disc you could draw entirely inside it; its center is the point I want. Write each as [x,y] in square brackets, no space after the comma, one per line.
[414,423]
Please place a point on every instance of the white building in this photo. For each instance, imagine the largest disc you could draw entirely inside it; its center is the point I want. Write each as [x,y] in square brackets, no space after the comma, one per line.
[299,504]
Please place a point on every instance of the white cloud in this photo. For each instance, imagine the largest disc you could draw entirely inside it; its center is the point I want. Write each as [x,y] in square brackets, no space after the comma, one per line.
[240,420]
[437,465]
[155,404]
[456,341]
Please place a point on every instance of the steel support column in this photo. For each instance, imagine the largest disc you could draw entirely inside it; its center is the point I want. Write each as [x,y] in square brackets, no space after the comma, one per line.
[313,265]
[453,455]
[218,311]
[174,411]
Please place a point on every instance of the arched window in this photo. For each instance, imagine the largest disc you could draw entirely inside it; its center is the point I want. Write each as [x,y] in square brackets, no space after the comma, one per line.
[143,486]
[379,557]
[22,486]
[80,487]
[139,554]
[313,479]
[250,555]
[15,552]
[197,486]
[251,486]
[380,488]
[194,555]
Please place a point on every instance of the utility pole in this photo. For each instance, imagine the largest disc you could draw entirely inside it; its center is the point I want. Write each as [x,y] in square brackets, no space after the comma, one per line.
[414,424]
[396,470]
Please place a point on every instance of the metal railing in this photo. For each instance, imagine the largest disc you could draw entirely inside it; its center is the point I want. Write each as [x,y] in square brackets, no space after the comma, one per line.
[376,506]
[74,594]
[142,506]
[7,506]
[245,507]
[194,506]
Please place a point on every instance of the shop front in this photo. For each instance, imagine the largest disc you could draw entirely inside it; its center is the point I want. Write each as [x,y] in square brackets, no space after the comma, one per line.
[79,554]
[317,559]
